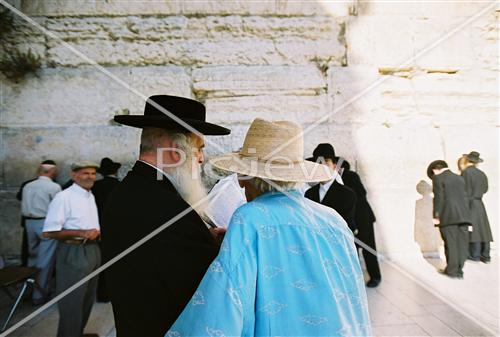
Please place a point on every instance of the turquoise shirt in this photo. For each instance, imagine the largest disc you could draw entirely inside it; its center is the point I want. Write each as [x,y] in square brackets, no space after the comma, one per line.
[287,267]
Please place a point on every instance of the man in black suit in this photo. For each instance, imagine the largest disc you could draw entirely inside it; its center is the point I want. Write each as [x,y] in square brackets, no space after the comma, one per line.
[151,285]
[101,190]
[451,214]
[364,218]
[476,185]
[332,193]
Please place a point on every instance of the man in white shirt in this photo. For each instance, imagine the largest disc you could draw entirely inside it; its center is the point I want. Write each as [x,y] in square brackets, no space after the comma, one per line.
[36,198]
[72,219]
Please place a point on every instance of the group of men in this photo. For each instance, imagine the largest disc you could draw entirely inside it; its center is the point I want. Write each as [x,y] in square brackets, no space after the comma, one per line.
[459,212]
[62,230]
[287,264]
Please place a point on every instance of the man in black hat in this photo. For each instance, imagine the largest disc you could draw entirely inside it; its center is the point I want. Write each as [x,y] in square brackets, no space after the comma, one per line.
[364,218]
[101,189]
[451,215]
[331,193]
[476,185]
[151,285]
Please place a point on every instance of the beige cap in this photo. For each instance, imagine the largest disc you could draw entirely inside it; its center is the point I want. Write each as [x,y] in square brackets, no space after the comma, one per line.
[83,164]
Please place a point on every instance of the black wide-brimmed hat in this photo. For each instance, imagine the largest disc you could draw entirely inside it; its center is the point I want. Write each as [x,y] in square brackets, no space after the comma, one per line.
[108,166]
[189,111]
[324,150]
[473,157]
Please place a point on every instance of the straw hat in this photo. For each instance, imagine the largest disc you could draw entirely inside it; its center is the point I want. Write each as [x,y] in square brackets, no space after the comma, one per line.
[266,154]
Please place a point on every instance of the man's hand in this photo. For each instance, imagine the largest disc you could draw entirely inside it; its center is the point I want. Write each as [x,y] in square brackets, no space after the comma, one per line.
[92,234]
[435,221]
[218,233]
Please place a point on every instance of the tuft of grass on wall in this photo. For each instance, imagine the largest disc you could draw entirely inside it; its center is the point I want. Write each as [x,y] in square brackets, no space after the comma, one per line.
[17,64]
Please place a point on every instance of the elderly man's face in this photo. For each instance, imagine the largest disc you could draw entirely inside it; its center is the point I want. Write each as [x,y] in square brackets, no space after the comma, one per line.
[85,177]
[198,145]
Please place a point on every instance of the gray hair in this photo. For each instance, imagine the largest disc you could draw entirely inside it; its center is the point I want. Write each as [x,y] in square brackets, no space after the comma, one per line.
[151,139]
[263,186]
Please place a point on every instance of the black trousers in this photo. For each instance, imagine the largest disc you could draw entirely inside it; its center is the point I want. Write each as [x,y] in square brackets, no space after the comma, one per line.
[366,235]
[479,250]
[456,250]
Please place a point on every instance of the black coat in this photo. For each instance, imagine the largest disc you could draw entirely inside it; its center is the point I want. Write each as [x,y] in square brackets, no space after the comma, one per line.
[339,197]
[476,184]
[101,190]
[450,205]
[364,213]
[150,286]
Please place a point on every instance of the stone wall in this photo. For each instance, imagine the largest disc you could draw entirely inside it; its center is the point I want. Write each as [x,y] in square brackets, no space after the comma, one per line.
[278,59]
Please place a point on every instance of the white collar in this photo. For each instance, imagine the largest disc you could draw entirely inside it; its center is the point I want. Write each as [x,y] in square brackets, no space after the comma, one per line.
[326,186]
[44,178]
[80,190]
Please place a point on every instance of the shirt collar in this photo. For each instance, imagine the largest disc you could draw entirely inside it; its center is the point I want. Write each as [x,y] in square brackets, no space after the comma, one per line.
[327,185]
[80,190]
[44,178]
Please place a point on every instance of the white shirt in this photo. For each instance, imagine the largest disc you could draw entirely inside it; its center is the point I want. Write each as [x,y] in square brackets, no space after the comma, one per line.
[323,188]
[37,196]
[73,208]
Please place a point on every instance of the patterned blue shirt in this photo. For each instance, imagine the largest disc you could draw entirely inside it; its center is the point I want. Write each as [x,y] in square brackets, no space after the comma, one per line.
[287,267]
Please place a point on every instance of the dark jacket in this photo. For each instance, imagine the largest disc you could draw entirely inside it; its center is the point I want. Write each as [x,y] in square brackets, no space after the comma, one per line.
[339,197]
[364,213]
[150,286]
[476,184]
[101,190]
[450,205]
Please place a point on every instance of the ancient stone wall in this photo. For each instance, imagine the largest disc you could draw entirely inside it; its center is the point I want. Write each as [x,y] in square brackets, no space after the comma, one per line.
[329,66]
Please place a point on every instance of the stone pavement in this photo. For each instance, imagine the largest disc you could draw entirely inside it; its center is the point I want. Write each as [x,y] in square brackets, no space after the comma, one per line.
[398,307]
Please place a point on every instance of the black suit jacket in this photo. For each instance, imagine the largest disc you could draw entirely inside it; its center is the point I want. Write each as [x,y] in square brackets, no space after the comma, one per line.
[364,213]
[150,286]
[101,190]
[339,197]
[450,202]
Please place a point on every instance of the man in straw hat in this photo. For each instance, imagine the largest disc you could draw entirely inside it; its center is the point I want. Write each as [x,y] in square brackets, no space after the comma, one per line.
[476,185]
[288,265]
[150,286]
[72,220]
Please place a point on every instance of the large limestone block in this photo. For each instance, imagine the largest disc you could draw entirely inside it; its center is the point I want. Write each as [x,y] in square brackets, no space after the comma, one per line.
[392,157]
[10,229]
[86,96]
[355,92]
[394,209]
[25,148]
[234,110]
[421,9]
[206,40]
[166,7]
[252,80]
[418,41]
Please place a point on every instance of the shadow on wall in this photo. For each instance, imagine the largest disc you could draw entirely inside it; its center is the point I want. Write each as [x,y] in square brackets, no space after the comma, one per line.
[426,235]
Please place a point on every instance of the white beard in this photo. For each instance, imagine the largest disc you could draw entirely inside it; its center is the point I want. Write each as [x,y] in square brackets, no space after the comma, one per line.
[187,181]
